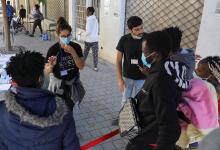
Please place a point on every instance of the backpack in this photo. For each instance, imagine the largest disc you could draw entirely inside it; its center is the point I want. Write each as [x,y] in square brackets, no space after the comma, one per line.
[41,17]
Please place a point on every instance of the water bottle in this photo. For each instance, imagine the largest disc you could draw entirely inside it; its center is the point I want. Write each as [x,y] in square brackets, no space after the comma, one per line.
[4,79]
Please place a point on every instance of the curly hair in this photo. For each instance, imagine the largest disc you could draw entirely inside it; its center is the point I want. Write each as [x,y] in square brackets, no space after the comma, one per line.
[176,36]
[159,41]
[134,21]
[25,68]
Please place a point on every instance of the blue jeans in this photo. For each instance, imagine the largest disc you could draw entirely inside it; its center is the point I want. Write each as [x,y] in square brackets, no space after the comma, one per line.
[132,87]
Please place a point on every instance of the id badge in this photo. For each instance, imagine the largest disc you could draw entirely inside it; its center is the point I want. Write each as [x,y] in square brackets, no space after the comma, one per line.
[63,73]
[134,61]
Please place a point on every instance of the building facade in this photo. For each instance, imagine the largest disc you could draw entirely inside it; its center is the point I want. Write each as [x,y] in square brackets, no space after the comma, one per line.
[199,19]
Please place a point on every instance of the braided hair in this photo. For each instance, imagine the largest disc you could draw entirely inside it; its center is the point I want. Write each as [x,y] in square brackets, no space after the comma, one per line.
[214,66]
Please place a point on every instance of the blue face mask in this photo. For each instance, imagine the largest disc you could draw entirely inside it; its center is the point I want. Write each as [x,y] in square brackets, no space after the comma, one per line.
[65,40]
[145,60]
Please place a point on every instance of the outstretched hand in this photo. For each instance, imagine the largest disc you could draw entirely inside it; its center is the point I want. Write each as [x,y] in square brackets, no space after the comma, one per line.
[50,65]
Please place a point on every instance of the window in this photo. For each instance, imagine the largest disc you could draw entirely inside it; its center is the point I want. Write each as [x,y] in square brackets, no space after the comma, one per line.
[81,14]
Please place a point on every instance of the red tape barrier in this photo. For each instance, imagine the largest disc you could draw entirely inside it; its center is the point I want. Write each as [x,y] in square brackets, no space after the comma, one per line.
[102,139]
[99,140]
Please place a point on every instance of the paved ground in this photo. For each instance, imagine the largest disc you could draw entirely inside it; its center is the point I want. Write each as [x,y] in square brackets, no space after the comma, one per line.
[102,101]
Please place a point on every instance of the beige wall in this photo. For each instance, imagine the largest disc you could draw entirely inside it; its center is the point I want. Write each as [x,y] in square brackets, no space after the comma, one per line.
[55,9]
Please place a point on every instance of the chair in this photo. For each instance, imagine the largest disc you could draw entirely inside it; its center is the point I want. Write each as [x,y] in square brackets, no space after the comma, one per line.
[52,28]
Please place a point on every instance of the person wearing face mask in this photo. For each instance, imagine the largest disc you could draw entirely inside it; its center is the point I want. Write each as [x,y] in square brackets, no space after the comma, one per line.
[65,78]
[157,100]
[209,69]
[31,117]
[130,77]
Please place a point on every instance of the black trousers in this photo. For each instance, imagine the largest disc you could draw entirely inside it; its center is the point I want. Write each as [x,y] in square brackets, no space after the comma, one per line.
[9,21]
[37,23]
[138,143]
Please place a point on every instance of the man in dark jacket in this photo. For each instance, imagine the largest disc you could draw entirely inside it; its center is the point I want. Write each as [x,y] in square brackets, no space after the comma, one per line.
[10,12]
[33,118]
[157,99]
[22,13]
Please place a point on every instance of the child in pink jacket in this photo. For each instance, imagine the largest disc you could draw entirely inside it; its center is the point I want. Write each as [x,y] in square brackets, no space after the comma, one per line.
[200,107]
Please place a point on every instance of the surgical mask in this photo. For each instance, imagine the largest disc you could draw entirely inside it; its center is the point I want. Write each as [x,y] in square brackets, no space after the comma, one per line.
[65,40]
[136,37]
[145,60]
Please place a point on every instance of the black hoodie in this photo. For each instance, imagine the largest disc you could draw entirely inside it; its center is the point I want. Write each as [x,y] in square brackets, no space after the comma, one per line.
[156,106]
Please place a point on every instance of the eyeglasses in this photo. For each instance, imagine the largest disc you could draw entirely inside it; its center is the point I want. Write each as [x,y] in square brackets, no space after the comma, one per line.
[66,36]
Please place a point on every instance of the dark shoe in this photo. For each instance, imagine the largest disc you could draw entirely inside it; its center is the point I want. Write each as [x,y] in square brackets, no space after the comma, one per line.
[31,35]
[96,69]
[115,122]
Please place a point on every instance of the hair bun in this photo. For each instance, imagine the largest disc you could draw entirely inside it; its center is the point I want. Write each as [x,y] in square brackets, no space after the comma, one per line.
[62,21]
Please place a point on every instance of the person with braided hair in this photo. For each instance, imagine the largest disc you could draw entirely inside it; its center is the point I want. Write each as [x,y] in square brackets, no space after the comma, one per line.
[209,69]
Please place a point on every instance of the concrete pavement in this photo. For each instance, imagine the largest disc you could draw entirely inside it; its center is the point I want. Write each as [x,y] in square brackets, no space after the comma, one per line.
[102,101]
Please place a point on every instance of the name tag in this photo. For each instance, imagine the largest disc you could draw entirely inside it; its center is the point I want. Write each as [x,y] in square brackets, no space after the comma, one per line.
[63,73]
[134,61]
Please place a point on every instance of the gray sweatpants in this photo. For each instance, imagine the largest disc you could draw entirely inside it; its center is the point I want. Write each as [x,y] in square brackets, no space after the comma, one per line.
[95,48]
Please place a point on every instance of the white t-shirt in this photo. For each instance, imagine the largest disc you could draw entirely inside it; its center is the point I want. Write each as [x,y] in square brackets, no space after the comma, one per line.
[91,34]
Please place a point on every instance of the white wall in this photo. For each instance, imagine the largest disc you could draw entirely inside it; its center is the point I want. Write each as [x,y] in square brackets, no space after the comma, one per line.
[209,34]
[111,27]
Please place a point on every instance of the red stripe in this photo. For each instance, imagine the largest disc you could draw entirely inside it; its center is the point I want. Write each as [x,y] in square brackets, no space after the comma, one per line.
[99,140]
[153,145]
[102,139]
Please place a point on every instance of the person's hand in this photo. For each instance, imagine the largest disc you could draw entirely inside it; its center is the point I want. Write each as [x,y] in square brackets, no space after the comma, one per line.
[144,70]
[69,49]
[52,60]
[50,65]
[121,85]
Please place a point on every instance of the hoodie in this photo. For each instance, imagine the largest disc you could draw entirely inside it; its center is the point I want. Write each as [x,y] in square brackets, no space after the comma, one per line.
[177,70]
[36,119]
[200,107]
[91,34]
[186,56]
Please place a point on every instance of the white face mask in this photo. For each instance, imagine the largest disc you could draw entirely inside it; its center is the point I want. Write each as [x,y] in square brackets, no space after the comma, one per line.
[136,37]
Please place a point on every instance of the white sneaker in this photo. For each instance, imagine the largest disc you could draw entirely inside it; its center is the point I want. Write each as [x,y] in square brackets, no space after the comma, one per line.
[95,69]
